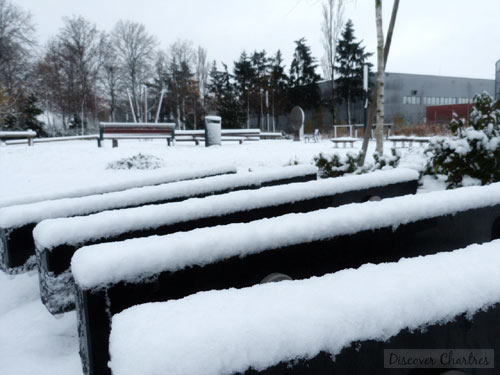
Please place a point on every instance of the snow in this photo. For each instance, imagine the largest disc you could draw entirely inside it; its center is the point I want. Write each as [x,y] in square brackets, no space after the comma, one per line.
[113,186]
[18,215]
[32,341]
[51,233]
[228,331]
[131,260]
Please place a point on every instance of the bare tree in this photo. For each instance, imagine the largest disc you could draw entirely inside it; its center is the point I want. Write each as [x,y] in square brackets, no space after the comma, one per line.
[387,47]
[331,28]
[135,53]
[16,48]
[379,131]
[202,71]
[84,47]
[110,79]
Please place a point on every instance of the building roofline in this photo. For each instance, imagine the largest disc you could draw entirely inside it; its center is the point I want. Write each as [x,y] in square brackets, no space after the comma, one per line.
[441,76]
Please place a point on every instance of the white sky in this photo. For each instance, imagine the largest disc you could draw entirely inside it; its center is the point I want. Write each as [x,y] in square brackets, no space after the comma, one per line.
[440,37]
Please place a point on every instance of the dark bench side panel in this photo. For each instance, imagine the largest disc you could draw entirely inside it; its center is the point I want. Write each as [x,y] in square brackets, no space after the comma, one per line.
[445,233]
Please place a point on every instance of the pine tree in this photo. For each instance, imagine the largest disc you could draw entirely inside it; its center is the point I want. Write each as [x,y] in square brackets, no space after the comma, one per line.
[244,76]
[29,116]
[303,81]
[351,57]
[278,82]
[225,96]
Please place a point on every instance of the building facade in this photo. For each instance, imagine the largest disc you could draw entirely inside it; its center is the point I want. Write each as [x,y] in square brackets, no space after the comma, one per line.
[407,96]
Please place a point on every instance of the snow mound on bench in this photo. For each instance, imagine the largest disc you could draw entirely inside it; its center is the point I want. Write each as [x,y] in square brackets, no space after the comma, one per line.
[96,266]
[76,230]
[150,179]
[229,331]
[139,161]
[16,216]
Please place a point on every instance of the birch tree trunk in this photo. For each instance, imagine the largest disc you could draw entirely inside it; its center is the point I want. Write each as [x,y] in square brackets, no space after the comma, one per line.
[371,112]
[379,130]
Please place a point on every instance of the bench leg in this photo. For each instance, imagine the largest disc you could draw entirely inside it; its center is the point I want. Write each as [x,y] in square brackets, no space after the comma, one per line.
[169,142]
[196,142]
[30,142]
[115,142]
[99,142]
[241,141]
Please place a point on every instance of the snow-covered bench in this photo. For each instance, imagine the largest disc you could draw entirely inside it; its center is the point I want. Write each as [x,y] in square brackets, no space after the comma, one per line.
[24,135]
[336,324]
[57,240]
[403,140]
[111,277]
[238,135]
[344,141]
[138,130]
[17,222]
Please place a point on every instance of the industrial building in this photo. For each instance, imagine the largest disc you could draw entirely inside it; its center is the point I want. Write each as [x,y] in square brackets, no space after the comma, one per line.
[407,96]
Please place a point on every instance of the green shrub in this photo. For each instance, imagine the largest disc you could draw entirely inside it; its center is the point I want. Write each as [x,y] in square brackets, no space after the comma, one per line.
[336,165]
[472,154]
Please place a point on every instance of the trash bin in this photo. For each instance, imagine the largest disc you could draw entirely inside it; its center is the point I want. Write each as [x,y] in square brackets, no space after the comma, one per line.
[212,130]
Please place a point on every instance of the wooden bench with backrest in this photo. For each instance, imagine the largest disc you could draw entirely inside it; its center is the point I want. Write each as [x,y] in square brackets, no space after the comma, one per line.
[139,130]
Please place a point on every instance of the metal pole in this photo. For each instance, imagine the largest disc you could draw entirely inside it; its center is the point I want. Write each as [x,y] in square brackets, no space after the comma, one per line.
[159,106]
[365,87]
[145,103]
[131,106]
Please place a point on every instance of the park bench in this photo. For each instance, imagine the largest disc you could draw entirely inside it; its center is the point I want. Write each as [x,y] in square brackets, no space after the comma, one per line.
[238,135]
[314,137]
[111,277]
[17,221]
[55,249]
[139,130]
[27,135]
[344,141]
[403,140]
[449,300]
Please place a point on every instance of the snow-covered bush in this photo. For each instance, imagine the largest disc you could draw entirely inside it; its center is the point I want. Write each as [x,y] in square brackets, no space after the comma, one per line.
[139,161]
[337,165]
[472,155]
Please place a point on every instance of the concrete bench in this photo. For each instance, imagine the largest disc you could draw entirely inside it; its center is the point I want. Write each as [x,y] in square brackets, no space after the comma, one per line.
[344,141]
[54,249]
[408,140]
[140,130]
[28,135]
[111,277]
[17,248]
[432,302]
[238,135]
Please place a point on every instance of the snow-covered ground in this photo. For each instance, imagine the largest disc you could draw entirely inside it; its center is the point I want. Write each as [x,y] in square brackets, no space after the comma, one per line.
[31,340]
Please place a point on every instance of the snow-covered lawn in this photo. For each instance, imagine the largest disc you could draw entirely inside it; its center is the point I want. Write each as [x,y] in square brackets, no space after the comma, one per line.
[31,340]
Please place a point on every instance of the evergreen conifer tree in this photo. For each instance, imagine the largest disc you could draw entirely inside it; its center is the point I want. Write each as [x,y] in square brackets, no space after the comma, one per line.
[225,96]
[351,57]
[303,81]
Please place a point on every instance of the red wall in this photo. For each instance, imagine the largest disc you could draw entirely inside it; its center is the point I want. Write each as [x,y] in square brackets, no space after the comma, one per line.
[443,113]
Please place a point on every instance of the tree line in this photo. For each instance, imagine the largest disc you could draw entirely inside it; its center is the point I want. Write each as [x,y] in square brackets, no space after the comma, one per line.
[83,75]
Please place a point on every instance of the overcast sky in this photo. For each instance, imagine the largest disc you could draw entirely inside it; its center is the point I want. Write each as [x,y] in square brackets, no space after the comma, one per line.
[440,37]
